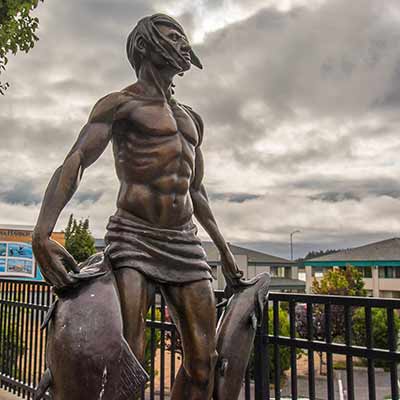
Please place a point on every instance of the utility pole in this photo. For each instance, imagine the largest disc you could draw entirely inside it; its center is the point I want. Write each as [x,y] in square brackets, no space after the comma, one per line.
[291,243]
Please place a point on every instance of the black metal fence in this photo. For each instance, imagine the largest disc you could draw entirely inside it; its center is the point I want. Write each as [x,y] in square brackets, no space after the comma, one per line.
[287,347]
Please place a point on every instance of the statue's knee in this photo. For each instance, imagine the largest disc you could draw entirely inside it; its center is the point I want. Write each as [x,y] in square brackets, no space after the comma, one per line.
[201,371]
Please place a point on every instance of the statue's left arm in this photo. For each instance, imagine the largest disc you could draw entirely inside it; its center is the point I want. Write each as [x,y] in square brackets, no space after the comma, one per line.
[204,215]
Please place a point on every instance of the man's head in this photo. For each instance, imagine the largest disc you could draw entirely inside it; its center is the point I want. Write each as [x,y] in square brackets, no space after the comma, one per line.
[163,40]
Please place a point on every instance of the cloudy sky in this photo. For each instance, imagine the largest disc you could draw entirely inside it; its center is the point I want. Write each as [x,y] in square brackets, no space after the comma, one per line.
[300,100]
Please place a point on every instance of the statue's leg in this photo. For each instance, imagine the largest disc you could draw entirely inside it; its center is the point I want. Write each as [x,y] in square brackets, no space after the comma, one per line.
[136,293]
[192,308]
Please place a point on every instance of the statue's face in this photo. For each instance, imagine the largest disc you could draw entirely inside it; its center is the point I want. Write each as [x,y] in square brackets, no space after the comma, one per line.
[180,43]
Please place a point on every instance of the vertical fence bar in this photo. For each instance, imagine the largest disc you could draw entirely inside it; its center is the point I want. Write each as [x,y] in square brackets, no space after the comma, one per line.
[31,325]
[267,355]
[349,359]
[19,337]
[10,333]
[310,338]
[392,348]
[41,333]
[293,355]
[369,344]
[26,335]
[162,350]
[3,327]
[173,355]
[329,359]
[260,350]
[152,349]
[277,355]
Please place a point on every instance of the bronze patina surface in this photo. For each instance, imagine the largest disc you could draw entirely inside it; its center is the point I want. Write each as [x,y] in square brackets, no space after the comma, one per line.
[152,241]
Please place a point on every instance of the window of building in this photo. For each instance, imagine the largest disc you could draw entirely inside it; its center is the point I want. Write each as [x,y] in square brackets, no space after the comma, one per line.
[365,271]
[389,272]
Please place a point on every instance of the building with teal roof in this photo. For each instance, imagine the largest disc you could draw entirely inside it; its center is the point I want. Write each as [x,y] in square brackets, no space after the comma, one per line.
[379,263]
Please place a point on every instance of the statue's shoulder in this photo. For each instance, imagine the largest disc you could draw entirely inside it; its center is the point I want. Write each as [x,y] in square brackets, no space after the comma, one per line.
[104,109]
[196,119]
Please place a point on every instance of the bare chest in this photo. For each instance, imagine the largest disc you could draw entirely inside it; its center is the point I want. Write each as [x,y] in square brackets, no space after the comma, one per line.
[156,122]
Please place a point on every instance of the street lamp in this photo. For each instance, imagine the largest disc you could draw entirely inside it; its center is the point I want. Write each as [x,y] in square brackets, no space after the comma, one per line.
[291,243]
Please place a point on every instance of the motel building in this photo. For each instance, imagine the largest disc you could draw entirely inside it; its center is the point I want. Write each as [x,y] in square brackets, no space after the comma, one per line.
[284,273]
[379,263]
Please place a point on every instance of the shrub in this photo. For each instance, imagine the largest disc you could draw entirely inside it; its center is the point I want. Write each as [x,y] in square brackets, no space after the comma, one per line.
[379,328]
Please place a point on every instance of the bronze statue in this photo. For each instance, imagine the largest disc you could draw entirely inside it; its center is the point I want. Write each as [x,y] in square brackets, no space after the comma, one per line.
[152,240]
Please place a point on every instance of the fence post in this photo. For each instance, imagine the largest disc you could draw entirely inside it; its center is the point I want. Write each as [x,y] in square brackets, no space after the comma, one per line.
[260,360]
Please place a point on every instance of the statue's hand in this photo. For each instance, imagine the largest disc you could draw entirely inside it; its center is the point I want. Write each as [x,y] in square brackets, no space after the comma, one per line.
[55,262]
[233,275]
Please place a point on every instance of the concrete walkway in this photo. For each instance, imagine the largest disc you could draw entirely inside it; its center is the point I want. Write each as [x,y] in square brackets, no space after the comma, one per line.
[7,396]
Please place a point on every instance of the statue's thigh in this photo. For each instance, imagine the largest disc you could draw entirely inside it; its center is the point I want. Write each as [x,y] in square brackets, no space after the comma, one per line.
[136,293]
[192,308]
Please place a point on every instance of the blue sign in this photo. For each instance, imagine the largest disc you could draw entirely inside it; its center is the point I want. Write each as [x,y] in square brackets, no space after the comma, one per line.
[17,260]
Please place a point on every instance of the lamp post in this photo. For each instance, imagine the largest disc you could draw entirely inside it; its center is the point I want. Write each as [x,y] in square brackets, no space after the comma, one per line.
[291,243]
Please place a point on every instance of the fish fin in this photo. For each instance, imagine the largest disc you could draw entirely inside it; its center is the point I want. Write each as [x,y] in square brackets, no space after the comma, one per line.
[49,315]
[133,375]
[44,384]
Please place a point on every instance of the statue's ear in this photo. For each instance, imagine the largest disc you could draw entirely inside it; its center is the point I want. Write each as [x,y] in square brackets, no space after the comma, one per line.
[195,60]
[141,44]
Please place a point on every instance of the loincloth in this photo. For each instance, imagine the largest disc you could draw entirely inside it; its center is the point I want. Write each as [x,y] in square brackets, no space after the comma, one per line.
[162,255]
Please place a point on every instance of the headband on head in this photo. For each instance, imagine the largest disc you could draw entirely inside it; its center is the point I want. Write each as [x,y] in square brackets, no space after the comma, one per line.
[147,29]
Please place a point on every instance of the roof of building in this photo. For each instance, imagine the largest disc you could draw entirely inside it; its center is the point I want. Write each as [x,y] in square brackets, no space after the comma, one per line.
[278,283]
[253,256]
[385,250]
[17,227]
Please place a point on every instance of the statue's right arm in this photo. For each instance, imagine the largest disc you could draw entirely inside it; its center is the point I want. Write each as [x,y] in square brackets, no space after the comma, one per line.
[94,137]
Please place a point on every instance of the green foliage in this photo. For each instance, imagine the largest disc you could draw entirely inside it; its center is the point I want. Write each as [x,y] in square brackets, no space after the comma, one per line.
[157,339]
[78,239]
[341,282]
[284,351]
[11,346]
[17,30]
[379,329]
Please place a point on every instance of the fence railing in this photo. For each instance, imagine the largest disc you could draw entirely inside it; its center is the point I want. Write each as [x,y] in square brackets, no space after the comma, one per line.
[297,331]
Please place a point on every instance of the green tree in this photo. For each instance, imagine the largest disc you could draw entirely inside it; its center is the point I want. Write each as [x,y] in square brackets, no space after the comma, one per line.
[346,281]
[78,239]
[380,339]
[17,30]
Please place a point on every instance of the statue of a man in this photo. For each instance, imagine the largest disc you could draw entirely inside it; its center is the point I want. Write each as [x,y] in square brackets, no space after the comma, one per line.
[152,240]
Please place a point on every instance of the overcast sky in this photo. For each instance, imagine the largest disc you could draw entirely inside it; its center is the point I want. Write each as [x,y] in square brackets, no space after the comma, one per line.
[300,101]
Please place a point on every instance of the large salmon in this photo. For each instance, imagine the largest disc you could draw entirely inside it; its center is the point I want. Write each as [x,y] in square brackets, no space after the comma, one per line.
[87,355]
[235,336]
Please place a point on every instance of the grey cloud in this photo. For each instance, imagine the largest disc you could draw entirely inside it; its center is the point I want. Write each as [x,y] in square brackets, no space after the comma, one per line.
[335,197]
[21,193]
[234,197]
[88,196]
